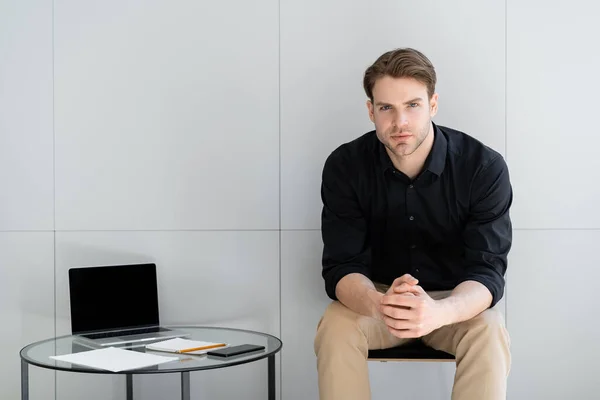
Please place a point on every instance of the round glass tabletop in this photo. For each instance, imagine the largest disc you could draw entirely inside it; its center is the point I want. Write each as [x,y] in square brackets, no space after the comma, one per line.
[39,353]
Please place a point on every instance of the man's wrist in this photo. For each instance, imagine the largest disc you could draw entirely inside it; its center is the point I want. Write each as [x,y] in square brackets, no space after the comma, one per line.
[446,311]
[375,300]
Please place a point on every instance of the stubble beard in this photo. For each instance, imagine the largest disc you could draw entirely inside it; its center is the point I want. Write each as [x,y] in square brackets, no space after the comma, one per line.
[403,150]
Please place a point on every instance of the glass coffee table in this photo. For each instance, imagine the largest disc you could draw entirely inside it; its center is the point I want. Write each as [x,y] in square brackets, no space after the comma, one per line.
[39,353]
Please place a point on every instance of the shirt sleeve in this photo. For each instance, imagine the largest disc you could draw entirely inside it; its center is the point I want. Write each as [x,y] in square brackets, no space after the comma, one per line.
[488,232]
[343,226]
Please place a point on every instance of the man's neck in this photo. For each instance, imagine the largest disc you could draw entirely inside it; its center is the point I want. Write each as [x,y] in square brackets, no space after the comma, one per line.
[412,165]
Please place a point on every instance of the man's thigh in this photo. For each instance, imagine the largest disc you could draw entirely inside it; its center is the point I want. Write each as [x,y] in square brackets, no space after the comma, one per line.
[447,338]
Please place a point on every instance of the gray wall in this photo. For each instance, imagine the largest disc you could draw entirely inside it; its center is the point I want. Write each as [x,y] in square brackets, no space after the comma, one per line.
[192,134]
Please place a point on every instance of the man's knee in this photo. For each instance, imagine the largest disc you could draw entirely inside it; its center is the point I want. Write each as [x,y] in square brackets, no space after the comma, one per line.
[491,319]
[486,336]
[489,325]
[339,327]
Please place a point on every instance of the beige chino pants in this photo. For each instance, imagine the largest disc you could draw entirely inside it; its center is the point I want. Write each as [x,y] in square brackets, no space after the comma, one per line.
[481,346]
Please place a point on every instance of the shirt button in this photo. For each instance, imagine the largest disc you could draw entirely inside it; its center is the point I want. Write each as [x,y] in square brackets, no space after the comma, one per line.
[417,270]
[410,186]
[411,218]
[413,246]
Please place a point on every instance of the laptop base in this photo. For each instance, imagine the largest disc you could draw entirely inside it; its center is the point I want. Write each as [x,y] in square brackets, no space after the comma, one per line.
[123,338]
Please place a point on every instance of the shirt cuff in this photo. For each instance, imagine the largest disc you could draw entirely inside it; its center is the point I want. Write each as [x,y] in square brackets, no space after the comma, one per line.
[494,284]
[333,277]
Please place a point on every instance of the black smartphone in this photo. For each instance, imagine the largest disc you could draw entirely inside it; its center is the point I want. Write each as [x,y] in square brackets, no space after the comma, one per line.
[235,350]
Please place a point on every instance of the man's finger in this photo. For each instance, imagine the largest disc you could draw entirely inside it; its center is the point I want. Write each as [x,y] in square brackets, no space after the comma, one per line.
[414,289]
[397,312]
[404,333]
[401,300]
[400,324]
[406,278]
[406,287]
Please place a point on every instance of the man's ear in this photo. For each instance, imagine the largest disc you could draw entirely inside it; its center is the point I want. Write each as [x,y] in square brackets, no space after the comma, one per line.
[433,105]
[371,109]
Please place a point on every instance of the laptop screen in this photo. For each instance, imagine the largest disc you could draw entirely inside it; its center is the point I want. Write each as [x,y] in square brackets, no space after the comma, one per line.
[113,297]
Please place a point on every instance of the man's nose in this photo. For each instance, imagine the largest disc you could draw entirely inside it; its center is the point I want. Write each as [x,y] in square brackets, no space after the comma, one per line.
[401,121]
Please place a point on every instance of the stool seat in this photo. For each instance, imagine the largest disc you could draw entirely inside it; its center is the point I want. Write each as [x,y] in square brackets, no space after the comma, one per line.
[413,351]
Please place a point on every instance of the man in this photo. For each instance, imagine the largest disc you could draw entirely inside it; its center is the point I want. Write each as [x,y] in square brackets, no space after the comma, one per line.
[416,233]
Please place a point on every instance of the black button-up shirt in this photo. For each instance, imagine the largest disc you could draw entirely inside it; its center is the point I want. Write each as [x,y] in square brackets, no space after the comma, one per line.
[450,224]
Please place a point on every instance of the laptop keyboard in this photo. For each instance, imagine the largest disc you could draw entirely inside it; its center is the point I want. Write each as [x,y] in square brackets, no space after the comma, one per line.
[140,331]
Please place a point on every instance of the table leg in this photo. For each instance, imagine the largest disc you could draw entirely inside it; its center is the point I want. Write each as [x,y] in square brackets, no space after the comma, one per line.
[24,380]
[271,378]
[185,386]
[129,379]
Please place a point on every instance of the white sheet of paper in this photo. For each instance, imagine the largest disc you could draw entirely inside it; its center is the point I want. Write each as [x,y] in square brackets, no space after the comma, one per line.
[114,359]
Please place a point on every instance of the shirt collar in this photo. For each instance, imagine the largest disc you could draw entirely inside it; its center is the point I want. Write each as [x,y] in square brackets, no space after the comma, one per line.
[384,158]
[436,160]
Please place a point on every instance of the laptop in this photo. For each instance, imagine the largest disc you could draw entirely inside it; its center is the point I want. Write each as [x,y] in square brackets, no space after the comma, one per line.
[116,305]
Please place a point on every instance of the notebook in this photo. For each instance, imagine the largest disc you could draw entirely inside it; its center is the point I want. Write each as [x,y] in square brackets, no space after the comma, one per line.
[186,346]
[114,359]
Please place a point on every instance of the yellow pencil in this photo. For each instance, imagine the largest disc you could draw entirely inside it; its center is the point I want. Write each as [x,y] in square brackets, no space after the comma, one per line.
[212,346]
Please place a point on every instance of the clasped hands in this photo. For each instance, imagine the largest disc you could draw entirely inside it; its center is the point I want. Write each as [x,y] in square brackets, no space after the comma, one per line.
[408,311]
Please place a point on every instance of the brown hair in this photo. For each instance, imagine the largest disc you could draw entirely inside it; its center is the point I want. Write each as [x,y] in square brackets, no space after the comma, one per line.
[401,63]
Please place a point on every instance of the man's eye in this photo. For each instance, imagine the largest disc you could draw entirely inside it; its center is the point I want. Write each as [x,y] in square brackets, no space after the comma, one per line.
[413,105]
[384,108]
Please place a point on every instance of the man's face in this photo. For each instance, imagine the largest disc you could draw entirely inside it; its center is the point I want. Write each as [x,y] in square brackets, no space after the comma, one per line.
[401,112]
